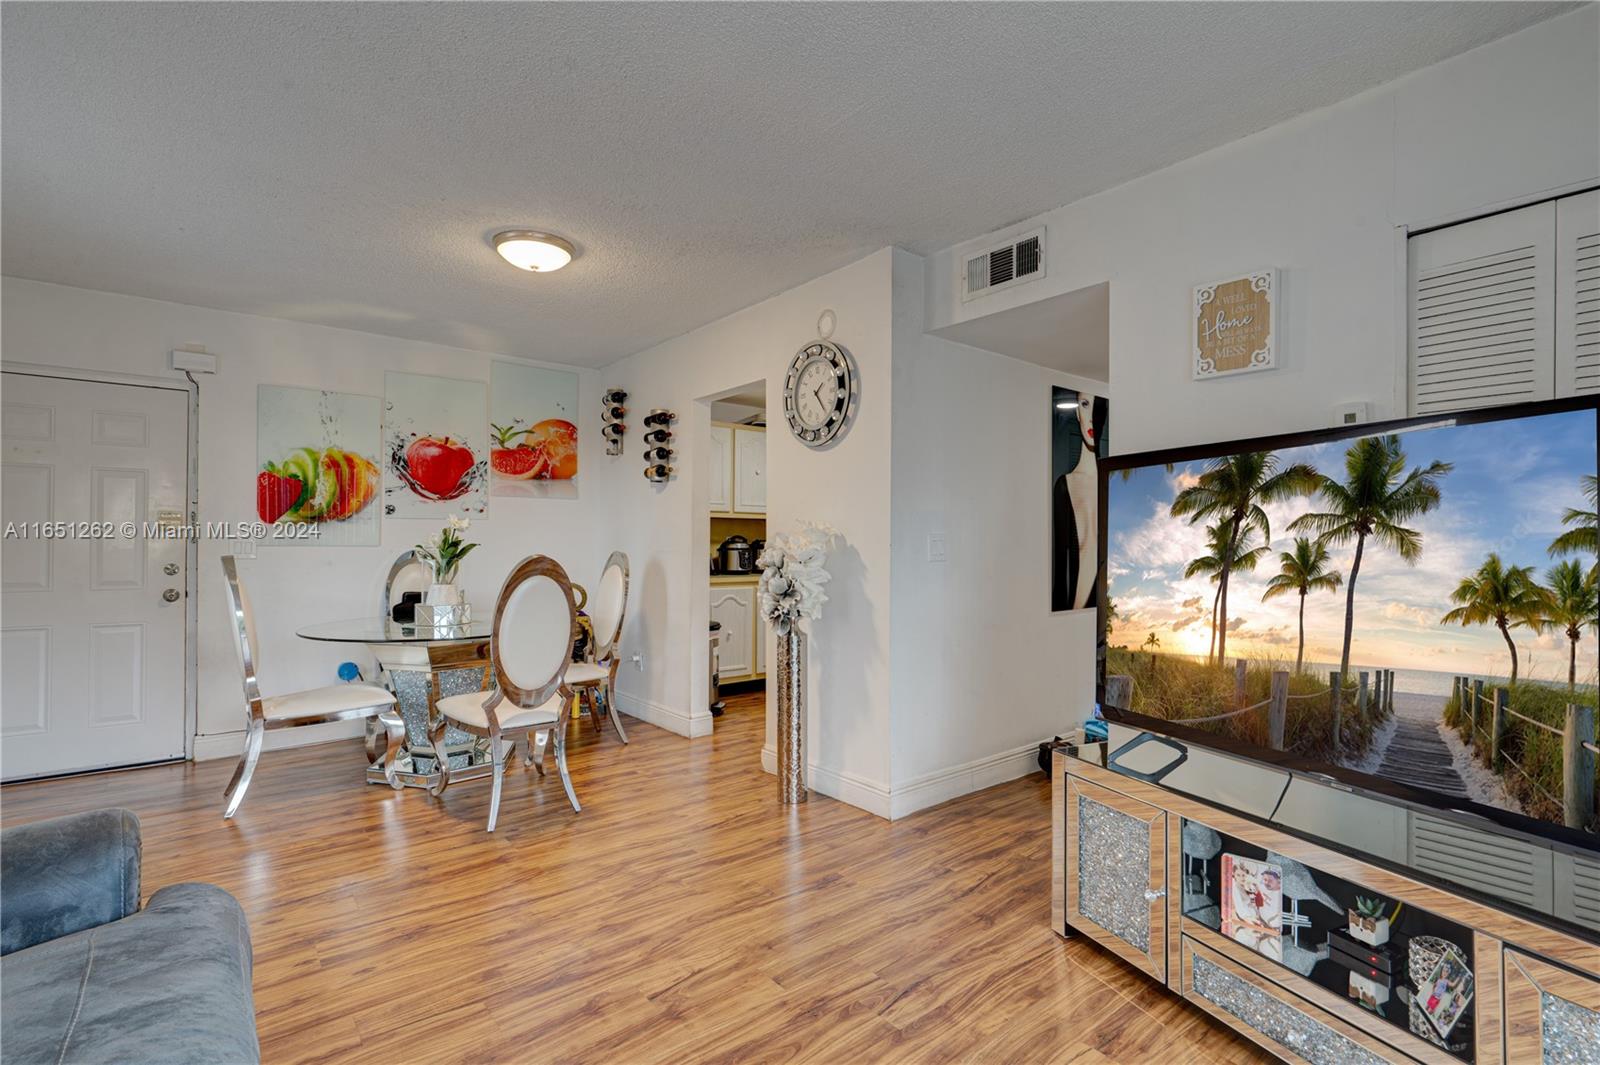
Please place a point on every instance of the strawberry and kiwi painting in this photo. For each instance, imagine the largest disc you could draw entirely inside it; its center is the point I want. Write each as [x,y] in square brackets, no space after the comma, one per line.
[533,432]
[436,454]
[316,463]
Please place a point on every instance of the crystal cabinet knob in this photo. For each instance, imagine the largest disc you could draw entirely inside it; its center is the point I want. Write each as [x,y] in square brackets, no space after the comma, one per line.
[1151,896]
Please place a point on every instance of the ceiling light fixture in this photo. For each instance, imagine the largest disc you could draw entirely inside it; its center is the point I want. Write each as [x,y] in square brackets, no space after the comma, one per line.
[535,252]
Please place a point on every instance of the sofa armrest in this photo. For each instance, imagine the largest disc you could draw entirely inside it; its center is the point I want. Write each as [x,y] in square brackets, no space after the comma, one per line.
[67,874]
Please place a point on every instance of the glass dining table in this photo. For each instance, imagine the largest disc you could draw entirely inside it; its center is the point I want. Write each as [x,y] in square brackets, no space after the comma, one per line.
[424,664]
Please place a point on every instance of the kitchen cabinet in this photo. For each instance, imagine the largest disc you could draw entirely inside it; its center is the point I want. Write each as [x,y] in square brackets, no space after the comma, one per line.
[734,606]
[744,635]
[738,469]
[721,467]
[750,471]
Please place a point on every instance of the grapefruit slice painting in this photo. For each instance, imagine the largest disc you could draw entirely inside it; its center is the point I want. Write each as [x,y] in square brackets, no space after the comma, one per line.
[316,465]
[533,432]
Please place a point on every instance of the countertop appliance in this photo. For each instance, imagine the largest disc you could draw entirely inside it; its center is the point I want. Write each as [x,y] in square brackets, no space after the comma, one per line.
[736,555]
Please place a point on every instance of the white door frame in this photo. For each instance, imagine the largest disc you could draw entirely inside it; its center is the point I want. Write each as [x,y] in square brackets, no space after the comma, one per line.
[191,614]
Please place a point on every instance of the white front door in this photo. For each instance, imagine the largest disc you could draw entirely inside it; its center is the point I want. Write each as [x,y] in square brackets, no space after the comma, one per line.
[93,651]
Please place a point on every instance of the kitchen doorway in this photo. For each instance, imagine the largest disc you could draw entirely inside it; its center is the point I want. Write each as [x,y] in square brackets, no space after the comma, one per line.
[735,533]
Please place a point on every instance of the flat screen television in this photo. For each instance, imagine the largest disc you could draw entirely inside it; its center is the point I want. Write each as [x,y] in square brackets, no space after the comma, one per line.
[1403,563]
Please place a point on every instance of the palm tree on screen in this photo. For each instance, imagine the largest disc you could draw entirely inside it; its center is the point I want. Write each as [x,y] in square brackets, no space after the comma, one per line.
[1572,603]
[1303,570]
[1584,536]
[1243,559]
[1231,491]
[1499,595]
[1373,500]
[1151,642]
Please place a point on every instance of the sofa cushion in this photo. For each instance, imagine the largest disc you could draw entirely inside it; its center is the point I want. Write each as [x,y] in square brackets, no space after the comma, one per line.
[170,984]
[67,874]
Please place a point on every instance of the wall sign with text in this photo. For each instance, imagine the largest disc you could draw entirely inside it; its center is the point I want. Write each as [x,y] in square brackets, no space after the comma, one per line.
[1235,322]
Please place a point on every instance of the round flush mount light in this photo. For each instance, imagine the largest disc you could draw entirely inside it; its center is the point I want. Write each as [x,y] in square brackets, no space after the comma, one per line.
[536,252]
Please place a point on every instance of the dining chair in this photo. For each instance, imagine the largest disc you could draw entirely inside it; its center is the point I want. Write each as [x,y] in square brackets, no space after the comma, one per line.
[591,678]
[408,573]
[337,702]
[535,624]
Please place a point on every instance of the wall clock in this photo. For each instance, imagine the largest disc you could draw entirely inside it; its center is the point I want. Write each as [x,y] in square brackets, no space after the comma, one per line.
[817,392]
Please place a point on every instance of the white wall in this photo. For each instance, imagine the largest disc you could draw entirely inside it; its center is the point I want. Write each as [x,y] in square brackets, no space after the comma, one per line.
[1321,197]
[982,669]
[664,528]
[293,584]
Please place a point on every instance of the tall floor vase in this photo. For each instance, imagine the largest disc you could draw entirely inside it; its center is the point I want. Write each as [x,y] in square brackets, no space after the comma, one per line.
[791,717]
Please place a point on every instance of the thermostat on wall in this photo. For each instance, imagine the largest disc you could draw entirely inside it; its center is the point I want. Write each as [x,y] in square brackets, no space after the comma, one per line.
[194,361]
[1350,413]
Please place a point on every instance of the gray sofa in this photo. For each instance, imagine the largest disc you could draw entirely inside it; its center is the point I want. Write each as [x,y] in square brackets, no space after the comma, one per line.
[87,976]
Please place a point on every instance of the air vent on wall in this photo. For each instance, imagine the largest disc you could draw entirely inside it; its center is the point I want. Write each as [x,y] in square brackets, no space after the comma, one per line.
[1011,263]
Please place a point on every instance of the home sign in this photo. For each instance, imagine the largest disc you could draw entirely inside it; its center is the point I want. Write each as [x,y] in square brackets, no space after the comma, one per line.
[1235,322]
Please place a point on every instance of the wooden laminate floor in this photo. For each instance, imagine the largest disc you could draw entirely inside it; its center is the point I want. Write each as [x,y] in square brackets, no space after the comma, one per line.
[684,916]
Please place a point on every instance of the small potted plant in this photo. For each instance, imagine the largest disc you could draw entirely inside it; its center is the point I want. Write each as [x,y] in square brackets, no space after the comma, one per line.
[443,554]
[1367,921]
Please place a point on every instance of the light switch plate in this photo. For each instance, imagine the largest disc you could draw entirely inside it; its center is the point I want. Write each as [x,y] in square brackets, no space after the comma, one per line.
[936,548]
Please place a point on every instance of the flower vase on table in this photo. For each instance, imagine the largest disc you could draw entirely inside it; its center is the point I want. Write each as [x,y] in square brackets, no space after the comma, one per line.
[792,577]
[443,604]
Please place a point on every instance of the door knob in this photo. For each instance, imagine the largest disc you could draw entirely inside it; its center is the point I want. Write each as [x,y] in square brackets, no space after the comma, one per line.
[1151,896]
[170,569]
[170,595]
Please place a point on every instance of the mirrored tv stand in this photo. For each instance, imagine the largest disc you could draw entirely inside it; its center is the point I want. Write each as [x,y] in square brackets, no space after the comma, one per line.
[1319,951]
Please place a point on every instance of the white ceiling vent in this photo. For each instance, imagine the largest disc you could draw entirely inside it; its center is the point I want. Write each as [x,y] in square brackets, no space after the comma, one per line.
[1011,263]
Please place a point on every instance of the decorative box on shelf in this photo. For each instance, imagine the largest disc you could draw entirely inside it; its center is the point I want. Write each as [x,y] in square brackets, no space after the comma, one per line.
[443,615]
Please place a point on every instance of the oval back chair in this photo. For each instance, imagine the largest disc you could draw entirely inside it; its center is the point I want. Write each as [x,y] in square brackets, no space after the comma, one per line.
[608,609]
[535,626]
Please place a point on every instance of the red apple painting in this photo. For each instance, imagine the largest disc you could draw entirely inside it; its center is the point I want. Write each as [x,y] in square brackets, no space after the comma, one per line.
[316,463]
[533,432]
[437,457]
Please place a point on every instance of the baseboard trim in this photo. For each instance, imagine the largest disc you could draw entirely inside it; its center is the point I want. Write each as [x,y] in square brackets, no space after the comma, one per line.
[857,791]
[669,718]
[931,789]
[231,744]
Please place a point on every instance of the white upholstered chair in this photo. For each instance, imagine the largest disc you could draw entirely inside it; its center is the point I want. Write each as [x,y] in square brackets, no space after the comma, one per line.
[408,574]
[337,702]
[535,626]
[606,610]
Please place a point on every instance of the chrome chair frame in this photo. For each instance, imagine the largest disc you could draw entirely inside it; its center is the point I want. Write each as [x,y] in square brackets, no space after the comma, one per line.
[387,724]
[259,723]
[507,690]
[610,656]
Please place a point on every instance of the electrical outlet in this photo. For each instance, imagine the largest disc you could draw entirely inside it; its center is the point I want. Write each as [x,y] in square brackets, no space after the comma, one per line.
[936,548]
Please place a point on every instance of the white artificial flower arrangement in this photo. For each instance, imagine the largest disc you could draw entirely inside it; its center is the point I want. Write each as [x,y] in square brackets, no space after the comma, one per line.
[792,575]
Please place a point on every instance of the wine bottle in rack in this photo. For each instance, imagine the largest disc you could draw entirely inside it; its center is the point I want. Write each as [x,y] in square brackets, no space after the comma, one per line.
[658,454]
[659,417]
[656,437]
[614,397]
[613,412]
[657,472]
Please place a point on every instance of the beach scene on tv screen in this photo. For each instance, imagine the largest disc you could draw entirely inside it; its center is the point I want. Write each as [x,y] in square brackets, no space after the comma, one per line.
[1421,606]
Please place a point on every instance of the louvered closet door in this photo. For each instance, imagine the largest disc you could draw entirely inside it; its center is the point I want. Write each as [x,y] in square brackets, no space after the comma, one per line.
[1482,312]
[1578,295]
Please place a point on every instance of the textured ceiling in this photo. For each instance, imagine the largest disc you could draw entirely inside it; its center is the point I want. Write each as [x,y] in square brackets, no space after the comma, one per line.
[344,163]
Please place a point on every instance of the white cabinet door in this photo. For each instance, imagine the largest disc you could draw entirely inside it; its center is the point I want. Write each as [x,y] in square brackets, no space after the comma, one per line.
[1482,312]
[758,641]
[721,467]
[93,652]
[1578,294]
[734,606]
[750,471]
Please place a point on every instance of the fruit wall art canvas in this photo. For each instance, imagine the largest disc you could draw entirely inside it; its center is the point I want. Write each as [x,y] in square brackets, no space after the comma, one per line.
[436,451]
[533,432]
[317,463]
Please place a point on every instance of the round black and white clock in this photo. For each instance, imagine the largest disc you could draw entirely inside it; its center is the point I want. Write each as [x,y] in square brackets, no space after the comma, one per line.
[817,392]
